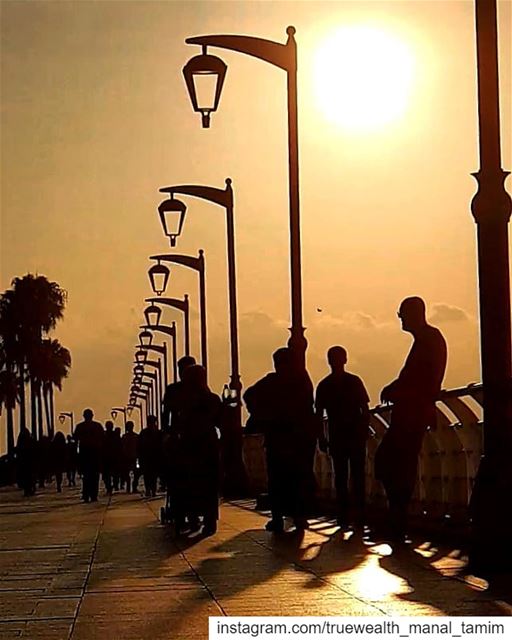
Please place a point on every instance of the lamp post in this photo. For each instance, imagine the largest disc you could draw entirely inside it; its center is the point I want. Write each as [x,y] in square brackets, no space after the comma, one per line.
[158,372]
[197,264]
[115,411]
[161,350]
[491,208]
[283,56]
[68,414]
[156,395]
[223,198]
[169,331]
[153,313]
[150,392]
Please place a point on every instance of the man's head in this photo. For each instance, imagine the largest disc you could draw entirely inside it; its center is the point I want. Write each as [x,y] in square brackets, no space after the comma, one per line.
[88,414]
[337,358]
[183,363]
[109,426]
[282,360]
[412,313]
[129,426]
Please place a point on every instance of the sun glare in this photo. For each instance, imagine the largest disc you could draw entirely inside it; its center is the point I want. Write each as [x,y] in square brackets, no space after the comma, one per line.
[363,77]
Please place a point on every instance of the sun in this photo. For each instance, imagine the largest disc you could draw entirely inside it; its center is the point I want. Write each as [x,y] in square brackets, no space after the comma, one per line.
[363,77]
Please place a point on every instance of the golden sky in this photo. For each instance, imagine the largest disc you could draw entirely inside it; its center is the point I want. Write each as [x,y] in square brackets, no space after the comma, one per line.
[95,118]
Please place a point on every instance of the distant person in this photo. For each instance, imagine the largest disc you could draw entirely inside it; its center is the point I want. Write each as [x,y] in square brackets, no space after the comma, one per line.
[193,445]
[90,437]
[26,461]
[109,453]
[282,404]
[150,455]
[43,446]
[413,395]
[58,456]
[342,395]
[72,460]
[171,393]
[117,460]
[129,458]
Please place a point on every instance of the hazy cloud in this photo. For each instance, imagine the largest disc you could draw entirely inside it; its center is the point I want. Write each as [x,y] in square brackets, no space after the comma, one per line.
[447,313]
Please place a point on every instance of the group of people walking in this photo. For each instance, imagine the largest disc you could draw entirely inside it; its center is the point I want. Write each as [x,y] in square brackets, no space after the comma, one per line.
[285,408]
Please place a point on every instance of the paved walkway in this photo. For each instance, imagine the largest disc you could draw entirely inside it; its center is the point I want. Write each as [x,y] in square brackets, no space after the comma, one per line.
[110,570]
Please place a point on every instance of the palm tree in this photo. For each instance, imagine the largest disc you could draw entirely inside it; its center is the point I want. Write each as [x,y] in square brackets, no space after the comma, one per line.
[49,365]
[37,305]
[8,398]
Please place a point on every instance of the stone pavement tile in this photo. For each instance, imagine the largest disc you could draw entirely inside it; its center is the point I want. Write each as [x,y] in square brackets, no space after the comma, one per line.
[122,603]
[11,629]
[47,630]
[56,608]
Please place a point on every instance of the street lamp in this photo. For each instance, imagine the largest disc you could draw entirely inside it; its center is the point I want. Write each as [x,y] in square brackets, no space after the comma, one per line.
[161,350]
[199,73]
[153,313]
[491,208]
[155,389]
[283,56]
[159,277]
[68,414]
[145,338]
[181,305]
[141,356]
[223,198]
[172,214]
[197,264]
[117,410]
[170,331]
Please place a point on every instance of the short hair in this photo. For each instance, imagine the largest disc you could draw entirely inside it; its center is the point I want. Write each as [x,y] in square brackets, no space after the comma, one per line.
[88,413]
[336,353]
[186,361]
[415,304]
[129,425]
[282,356]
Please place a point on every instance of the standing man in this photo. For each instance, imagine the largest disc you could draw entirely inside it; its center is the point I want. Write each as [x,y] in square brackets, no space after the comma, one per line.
[342,395]
[169,403]
[413,395]
[90,435]
[282,403]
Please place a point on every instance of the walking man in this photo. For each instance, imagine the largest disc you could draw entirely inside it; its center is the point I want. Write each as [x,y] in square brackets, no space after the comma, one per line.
[342,395]
[413,395]
[90,435]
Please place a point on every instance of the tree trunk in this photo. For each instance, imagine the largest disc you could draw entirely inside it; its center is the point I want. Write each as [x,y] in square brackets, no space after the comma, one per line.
[21,370]
[46,393]
[33,408]
[39,410]
[10,431]
[52,408]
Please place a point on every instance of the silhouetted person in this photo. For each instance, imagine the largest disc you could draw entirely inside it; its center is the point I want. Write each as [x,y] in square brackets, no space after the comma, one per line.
[413,395]
[43,446]
[90,435]
[172,390]
[26,461]
[58,456]
[129,458]
[282,403]
[342,395]
[117,461]
[150,455]
[194,451]
[72,460]
[109,453]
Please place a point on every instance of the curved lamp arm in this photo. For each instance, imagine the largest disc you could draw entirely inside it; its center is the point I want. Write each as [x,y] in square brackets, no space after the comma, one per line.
[187,261]
[176,303]
[156,348]
[170,331]
[280,55]
[222,197]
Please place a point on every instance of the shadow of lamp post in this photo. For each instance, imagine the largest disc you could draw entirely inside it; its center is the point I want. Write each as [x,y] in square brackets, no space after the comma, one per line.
[284,56]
